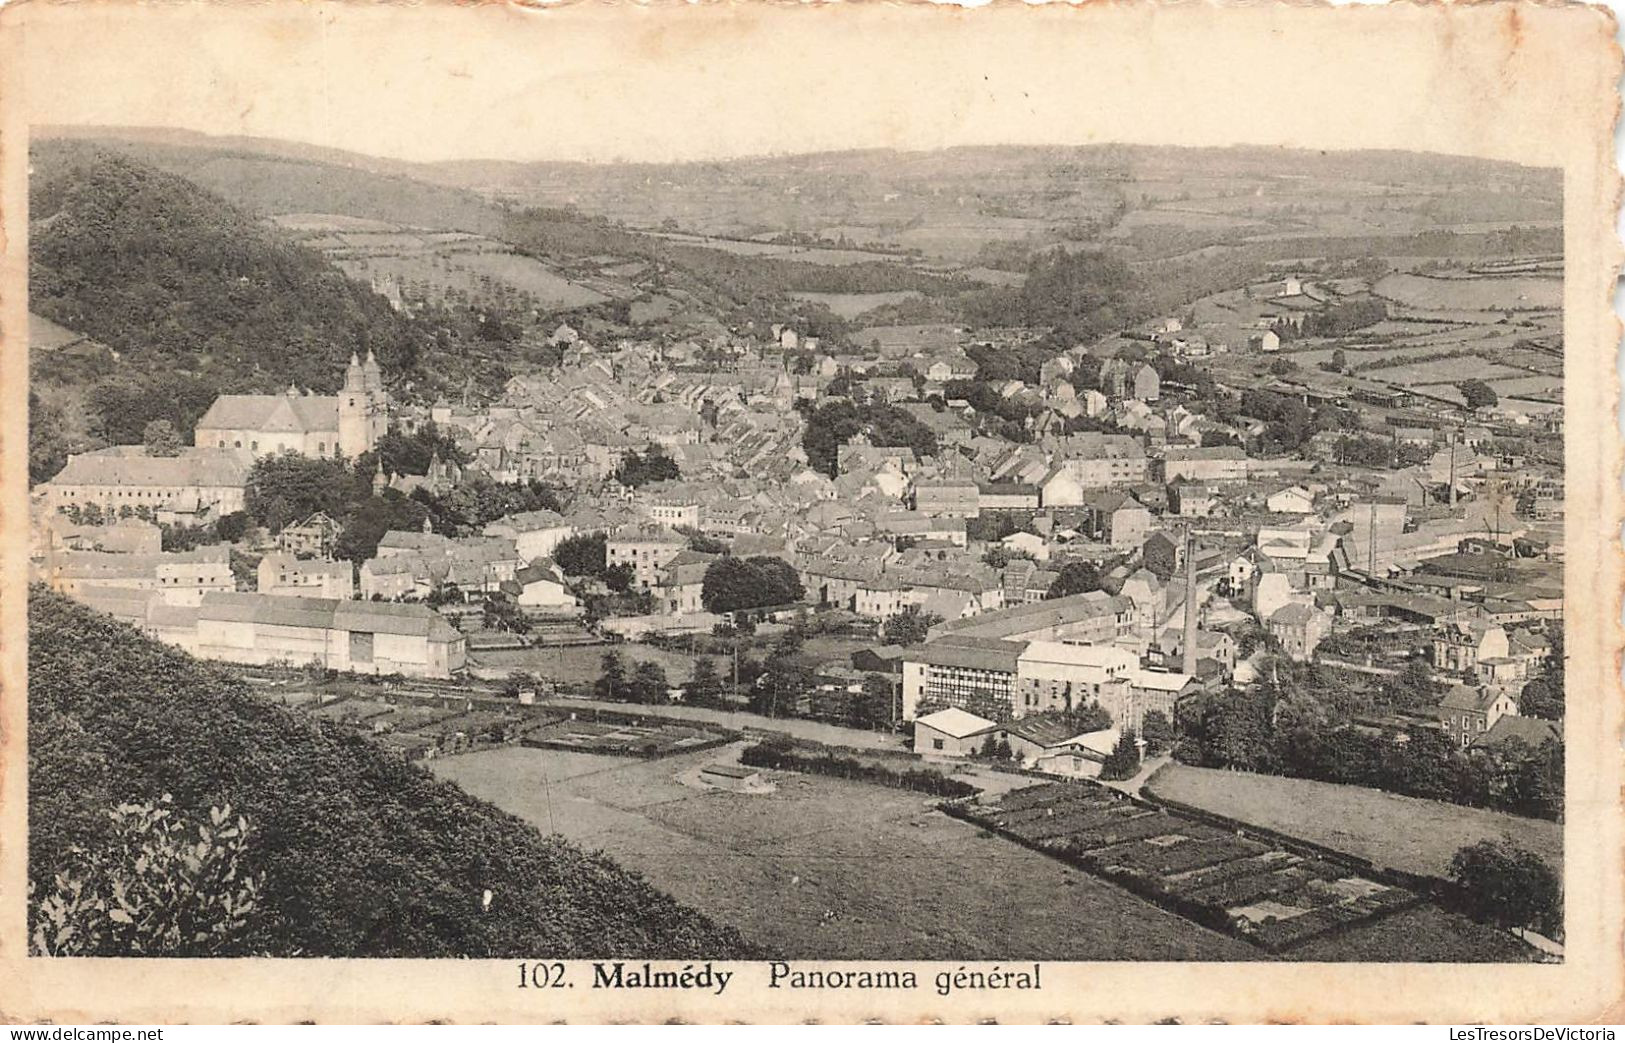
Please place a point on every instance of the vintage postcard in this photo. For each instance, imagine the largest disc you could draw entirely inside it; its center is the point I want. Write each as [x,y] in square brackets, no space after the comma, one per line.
[773,513]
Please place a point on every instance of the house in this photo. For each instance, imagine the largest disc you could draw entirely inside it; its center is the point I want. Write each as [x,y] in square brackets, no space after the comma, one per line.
[179,578]
[1007,496]
[1268,341]
[284,575]
[415,563]
[1057,676]
[1067,484]
[947,498]
[952,732]
[1192,499]
[682,582]
[1459,645]
[315,536]
[1220,463]
[673,512]
[1116,518]
[645,550]
[1467,714]
[1052,744]
[535,534]
[539,585]
[1299,627]
[1294,499]
[1531,731]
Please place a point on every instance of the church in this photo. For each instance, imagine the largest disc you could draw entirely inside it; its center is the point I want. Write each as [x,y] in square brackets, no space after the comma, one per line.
[343,425]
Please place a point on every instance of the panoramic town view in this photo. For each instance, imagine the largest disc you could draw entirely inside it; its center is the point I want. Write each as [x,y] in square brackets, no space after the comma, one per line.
[994,553]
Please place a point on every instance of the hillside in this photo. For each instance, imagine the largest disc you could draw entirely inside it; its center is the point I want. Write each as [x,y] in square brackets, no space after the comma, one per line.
[363,854]
[194,296]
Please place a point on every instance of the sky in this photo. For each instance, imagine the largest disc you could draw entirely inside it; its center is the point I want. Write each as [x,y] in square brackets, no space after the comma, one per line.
[658,83]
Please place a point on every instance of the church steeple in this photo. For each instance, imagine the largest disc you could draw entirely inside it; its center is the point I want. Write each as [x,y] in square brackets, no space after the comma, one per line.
[373,376]
[354,376]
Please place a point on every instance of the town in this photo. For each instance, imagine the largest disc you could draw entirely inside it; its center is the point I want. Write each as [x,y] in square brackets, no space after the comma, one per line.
[1302,531]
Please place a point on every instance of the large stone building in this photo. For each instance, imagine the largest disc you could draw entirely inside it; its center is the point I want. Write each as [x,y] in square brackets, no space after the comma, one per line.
[360,636]
[343,425]
[1004,680]
[199,485]
[284,575]
[181,578]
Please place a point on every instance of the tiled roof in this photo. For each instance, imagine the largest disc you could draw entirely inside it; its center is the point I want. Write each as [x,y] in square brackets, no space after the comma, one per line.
[955,723]
[379,617]
[206,468]
[271,413]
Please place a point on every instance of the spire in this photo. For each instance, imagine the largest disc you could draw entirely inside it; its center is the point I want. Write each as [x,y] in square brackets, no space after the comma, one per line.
[375,378]
[354,376]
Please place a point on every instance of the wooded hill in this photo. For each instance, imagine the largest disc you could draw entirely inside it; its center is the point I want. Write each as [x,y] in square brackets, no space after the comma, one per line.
[197,297]
[363,854]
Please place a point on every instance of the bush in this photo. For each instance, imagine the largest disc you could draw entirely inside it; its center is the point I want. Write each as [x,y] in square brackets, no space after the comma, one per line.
[1510,886]
[166,886]
[363,854]
[782,755]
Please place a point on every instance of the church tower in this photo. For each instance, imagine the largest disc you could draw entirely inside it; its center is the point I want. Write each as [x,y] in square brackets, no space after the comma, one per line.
[377,401]
[355,409]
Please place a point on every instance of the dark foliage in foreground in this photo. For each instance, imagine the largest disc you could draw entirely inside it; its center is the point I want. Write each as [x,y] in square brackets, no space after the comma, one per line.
[363,854]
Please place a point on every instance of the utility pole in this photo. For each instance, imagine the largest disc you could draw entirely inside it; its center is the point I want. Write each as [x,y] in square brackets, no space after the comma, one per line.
[1452,469]
[1189,663]
[1371,540]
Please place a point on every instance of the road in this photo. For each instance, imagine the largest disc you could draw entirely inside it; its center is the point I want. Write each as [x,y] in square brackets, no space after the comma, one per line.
[739,720]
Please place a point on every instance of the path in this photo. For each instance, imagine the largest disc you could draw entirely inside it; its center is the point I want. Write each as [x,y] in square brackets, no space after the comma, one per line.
[1148,767]
[739,720]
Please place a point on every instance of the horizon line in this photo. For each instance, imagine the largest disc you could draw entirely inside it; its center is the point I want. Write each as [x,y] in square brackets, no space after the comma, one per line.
[47,131]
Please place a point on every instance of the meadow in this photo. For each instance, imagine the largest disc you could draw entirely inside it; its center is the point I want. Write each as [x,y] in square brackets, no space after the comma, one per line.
[1407,833]
[825,868]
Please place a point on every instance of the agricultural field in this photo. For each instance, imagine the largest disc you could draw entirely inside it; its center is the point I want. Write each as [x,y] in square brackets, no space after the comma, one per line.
[1257,890]
[752,248]
[1407,833]
[851,305]
[1486,294]
[435,264]
[475,274]
[824,868]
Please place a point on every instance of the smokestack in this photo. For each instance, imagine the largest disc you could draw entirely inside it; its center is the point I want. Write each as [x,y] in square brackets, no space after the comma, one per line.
[1190,604]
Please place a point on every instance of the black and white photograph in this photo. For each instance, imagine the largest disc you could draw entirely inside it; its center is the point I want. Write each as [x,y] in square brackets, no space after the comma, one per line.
[994,551]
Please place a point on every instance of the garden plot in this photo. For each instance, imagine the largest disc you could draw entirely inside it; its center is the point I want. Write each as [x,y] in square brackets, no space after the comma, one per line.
[619,737]
[1251,888]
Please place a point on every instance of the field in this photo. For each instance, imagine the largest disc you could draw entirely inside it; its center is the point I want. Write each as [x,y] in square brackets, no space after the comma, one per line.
[752,248]
[1418,836]
[1503,293]
[434,264]
[440,273]
[824,868]
[851,305]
